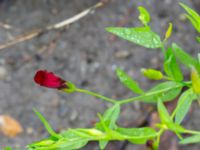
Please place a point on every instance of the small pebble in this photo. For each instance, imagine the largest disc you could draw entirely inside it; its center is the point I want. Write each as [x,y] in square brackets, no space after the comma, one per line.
[3,73]
[73,116]
[29,130]
[122,54]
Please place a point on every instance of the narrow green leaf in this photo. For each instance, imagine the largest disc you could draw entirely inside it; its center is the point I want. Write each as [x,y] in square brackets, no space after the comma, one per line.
[112,115]
[46,124]
[142,36]
[102,144]
[69,144]
[163,113]
[165,91]
[194,22]
[166,119]
[137,135]
[192,16]
[185,58]
[191,140]
[70,140]
[144,16]
[128,81]
[183,105]
[171,67]
[109,118]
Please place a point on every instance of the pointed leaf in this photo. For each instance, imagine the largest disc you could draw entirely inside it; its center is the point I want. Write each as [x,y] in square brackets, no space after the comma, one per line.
[183,105]
[109,118]
[46,124]
[142,36]
[165,91]
[112,115]
[128,81]
[191,140]
[192,16]
[185,58]
[171,67]
[102,144]
[138,135]
[144,16]
[163,113]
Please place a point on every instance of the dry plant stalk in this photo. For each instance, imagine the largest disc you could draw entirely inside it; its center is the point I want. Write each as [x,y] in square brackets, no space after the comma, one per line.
[62,24]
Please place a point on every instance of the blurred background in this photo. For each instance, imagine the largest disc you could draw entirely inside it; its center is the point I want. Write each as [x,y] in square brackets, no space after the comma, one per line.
[85,54]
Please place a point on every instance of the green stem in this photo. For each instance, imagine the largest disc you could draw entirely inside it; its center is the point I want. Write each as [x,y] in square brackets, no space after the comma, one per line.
[191,132]
[157,142]
[163,48]
[146,95]
[124,101]
[128,100]
[96,95]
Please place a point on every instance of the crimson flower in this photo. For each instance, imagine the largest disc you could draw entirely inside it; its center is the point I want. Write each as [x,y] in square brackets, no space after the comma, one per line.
[49,79]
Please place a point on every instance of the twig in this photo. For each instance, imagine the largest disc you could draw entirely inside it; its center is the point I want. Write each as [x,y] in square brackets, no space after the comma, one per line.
[62,24]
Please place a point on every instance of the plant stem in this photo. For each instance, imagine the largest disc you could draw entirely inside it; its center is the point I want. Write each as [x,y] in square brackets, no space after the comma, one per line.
[192,132]
[163,48]
[146,95]
[97,95]
[128,100]
[157,142]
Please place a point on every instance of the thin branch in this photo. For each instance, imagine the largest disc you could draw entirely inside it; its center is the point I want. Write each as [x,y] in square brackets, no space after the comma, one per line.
[62,24]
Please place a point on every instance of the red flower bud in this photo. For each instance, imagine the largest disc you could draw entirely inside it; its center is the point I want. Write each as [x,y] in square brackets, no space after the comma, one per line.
[49,79]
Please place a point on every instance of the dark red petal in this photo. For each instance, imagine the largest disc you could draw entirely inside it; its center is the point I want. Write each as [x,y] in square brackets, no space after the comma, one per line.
[39,77]
[49,79]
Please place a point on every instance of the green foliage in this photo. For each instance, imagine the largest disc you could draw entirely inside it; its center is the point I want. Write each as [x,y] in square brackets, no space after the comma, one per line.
[140,35]
[192,16]
[195,78]
[165,91]
[46,124]
[127,81]
[184,57]
[107,128]
[138,135]
[191,140]
[183,105]
[8,148]
[198,39]
[144,16]
[164,115]
[171,67]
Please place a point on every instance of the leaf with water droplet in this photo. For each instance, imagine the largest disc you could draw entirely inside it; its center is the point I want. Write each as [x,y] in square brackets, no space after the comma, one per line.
[142,36]
[128,81]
